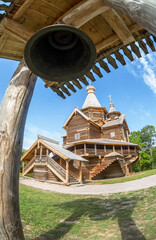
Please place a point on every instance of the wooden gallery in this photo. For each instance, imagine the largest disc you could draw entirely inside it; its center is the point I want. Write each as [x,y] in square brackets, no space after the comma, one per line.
[96,146]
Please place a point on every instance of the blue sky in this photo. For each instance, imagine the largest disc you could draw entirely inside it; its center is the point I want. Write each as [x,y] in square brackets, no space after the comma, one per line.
[133,90]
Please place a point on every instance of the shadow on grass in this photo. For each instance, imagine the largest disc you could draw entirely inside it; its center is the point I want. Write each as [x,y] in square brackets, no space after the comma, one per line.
[97,209]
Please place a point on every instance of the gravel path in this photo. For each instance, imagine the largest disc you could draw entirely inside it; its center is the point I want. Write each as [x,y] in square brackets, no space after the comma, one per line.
[94,189]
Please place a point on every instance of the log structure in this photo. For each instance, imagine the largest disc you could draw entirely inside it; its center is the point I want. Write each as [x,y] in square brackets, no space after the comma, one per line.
[112,25]
[46,160]
[98,137]
[101,137]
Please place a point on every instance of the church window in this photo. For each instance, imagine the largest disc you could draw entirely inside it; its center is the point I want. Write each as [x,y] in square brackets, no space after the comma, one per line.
[77,136]
[112,134]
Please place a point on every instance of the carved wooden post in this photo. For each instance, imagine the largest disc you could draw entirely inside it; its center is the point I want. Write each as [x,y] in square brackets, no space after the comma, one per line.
[142,11]
[13,112]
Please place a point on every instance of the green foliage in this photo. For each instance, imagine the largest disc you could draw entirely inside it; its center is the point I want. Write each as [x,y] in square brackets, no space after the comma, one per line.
[145,139]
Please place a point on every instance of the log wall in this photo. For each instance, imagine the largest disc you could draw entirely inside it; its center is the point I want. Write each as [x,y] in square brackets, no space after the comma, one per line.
[77,125]
[116,129]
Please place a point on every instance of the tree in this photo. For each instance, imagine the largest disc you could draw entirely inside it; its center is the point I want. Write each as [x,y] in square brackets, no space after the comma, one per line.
[144,138]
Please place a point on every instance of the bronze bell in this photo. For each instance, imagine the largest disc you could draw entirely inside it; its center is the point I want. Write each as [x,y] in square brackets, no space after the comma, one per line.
[60,53]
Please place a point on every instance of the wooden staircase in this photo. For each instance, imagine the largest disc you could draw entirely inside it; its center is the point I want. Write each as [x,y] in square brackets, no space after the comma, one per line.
[29,166]
[99,168]
[58,170]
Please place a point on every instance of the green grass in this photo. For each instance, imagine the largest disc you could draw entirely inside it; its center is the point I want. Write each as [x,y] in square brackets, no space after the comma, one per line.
[53,216]
[135,176]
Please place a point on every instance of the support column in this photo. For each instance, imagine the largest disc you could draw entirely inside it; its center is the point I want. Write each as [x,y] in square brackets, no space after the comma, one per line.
[40,152]
[80,172]
[84,148]
[128,150]
[95,148]
[113,148]
[67,171]
[143,12]
[13,112]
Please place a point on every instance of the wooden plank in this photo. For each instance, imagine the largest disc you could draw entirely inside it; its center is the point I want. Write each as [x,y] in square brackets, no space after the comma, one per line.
[65,90]
[112,62]
[120,57]
[119,26]
[70,86]
[114,39]
[143,46]
[104,65]
[77,15]
[77,84]
[17,29]
[128,53]
[150,43]
[59,93]
[3,39]
[83,80]
[24,7]
[97,71]
[135,49]
[91,76]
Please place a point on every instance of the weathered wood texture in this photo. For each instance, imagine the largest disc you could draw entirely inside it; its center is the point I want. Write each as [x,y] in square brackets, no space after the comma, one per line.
[77,125]
[142,11]
[13,112]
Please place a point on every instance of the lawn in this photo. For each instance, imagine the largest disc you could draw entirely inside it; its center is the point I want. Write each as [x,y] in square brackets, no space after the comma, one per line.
[135,176]
[53,216]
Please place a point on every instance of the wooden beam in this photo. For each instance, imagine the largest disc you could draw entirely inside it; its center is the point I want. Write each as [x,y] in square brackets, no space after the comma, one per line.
[3,39]
[16,29]
[114,38]
[104,65]
[24,7]
[142,11]
[83,12]
[119,26]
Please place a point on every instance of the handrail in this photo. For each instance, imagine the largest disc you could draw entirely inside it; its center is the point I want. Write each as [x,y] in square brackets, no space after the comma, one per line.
[29,164]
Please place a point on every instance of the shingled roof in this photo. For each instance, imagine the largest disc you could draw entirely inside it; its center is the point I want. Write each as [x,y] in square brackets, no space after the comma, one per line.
[91,99]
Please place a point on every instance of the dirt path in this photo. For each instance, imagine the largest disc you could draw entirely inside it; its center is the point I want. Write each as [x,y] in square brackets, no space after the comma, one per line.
[94,189]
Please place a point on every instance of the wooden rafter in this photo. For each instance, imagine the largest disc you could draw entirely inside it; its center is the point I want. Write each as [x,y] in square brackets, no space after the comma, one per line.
[77,15]
[119,26]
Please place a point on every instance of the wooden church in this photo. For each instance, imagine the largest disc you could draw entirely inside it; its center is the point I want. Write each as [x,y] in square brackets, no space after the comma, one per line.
[96,146]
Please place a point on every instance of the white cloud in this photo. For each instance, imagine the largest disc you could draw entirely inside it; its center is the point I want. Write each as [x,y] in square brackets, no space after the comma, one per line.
[31,132]
[149,74]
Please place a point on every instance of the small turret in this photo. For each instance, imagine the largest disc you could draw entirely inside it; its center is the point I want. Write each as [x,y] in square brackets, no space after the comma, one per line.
[91,99]
[113,114]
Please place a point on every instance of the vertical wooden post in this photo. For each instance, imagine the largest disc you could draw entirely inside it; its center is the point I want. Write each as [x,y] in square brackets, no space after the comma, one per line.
[75,149]
[80,172]
[13,112]
[84,148]
[113,148]
[95,149]
[47,152]
[128,150]
[67,171]
[104,149]
[121,150]
[40,152]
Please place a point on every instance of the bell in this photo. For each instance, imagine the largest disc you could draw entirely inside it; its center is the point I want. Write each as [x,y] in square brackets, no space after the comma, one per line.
[60,53]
